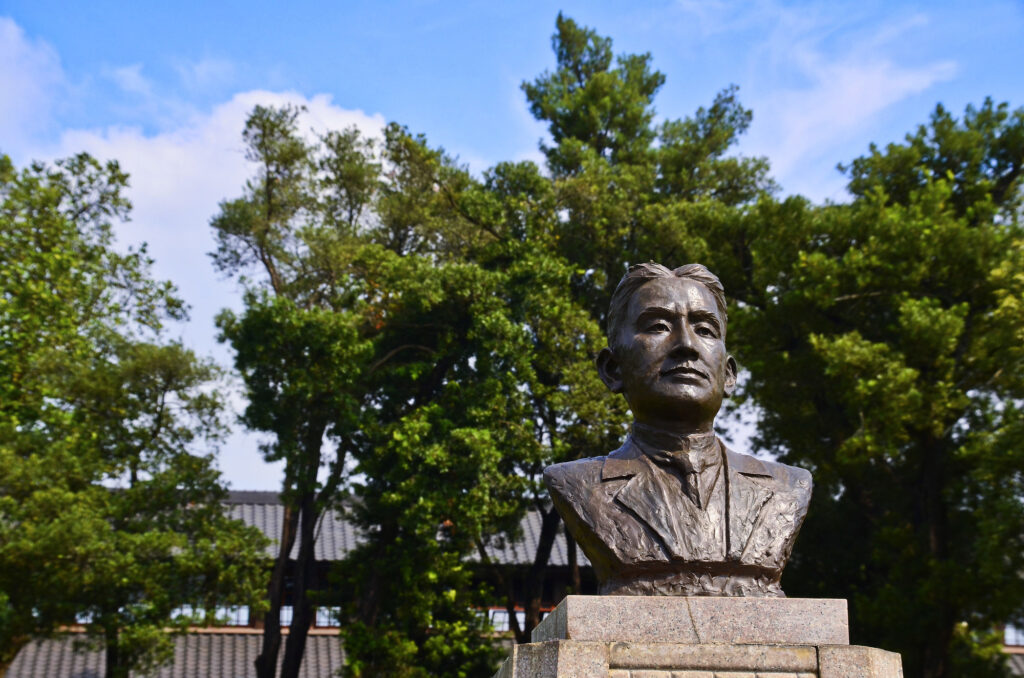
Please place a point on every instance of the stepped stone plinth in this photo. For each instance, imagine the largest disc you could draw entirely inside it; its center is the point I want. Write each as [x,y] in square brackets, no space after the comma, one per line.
[696,637]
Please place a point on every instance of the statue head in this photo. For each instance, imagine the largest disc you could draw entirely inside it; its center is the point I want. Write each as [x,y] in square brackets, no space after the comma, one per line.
[666,346]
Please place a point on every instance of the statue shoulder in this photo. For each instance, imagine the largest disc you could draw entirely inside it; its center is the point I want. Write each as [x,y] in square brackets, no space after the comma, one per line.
[791,477]
[558,477]
[585,471]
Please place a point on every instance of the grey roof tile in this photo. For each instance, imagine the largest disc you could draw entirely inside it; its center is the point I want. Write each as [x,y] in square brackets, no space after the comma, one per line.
[253,497]
[336,536]
[196,655]
[56,658]
[522,551]
[1017,664]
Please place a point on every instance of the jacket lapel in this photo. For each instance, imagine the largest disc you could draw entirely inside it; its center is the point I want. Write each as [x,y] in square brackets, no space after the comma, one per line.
[656,498]
[750,489]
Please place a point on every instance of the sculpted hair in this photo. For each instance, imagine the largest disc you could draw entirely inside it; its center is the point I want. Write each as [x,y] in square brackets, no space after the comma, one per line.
[639,274]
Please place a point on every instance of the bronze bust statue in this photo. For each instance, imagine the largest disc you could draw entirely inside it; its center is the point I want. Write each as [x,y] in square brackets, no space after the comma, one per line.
[673,511]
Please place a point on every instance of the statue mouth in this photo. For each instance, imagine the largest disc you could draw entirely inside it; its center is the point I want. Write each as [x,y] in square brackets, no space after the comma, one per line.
[684,371]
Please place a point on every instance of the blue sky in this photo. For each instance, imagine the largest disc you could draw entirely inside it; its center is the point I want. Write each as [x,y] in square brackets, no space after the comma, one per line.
[165,87]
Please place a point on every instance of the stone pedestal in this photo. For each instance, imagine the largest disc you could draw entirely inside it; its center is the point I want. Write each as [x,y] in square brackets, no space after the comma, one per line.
[677,637]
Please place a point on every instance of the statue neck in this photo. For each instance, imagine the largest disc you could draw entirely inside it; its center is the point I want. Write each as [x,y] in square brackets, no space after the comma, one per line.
[669,441]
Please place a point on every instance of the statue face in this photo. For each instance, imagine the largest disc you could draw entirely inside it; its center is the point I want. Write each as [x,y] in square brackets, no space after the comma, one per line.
[670,359]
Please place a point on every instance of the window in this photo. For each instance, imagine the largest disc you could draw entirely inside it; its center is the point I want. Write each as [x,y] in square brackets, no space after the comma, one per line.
[234,616]
[500,619]
[1013,635]
[286,615]
[327,616]
[185,611]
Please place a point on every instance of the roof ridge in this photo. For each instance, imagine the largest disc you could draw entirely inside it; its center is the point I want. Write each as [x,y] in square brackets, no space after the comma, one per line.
[253,497]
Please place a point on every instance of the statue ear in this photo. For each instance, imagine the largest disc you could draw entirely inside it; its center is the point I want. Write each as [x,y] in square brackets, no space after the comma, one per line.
[608,370]
[730,376]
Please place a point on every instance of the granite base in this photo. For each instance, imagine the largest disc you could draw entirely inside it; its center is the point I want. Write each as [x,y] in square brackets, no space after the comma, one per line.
[667,637]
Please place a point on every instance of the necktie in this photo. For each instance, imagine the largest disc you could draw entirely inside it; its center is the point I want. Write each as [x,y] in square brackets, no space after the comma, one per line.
[681,463]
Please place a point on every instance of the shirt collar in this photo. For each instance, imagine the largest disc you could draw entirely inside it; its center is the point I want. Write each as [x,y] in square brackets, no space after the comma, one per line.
[701,448]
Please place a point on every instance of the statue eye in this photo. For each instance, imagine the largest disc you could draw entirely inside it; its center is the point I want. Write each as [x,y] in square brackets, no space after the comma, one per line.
[706,331]
[659,326]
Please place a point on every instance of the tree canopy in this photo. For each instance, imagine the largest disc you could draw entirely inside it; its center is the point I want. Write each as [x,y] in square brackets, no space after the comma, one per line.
[888,359]
[413,318]
[108,494]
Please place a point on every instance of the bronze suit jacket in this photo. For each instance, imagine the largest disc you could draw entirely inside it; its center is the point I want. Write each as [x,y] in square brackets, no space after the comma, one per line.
[643,537]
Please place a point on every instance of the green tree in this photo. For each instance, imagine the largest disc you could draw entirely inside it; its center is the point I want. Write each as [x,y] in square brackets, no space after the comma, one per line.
[570,411]
[591,106]
[632,189]
[505,238]
[434,474]
[885,342]
[110,505]
[300,343]
[168,542]
[538,368]
[394,306]
[310,342]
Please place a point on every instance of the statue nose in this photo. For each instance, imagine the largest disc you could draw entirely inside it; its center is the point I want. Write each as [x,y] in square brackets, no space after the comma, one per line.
[685,340]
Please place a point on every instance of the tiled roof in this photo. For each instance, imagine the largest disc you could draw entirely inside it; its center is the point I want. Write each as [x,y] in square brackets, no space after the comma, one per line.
[521,552]
[196,655]
[1017,664]
[336,537]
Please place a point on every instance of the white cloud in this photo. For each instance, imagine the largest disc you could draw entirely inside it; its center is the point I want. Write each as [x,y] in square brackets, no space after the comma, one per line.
[205,73]
[178,178]
[845,88]
[714,17]
[798,125]
[131,80]
[818,75]
[31,79]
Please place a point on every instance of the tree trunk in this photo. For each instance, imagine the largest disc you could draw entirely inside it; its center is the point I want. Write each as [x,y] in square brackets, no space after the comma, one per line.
[368,596]
[266,662]
[513,619]
[935,658]
[115,667]
[535,577]
[505,583]
[302,610]
[934,661]
[574,565]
